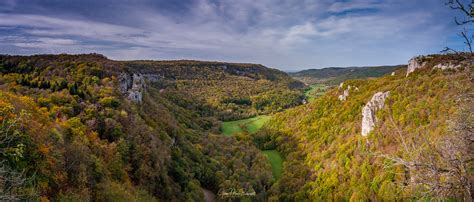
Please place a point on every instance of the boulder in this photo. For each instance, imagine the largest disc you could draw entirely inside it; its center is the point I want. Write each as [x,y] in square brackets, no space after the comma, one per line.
[368,112]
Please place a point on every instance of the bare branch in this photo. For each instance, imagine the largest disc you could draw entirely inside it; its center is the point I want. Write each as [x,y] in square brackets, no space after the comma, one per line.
[467,40]
[467,10]
[457,5]
[447,50]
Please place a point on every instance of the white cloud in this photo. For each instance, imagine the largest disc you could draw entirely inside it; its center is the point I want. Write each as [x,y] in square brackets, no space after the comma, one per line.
[47,43]
[299,33]
[354,5]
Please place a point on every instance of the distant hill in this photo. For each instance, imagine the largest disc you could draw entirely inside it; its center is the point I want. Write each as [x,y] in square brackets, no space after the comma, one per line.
[336,75]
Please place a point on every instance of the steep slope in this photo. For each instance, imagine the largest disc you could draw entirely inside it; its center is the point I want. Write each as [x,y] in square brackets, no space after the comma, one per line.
[411,152]
[82,127]
[335,75]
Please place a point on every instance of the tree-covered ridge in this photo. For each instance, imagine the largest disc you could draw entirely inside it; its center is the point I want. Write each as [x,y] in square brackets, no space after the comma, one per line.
[73,136]
[414,126]
[233,91]
[335,75]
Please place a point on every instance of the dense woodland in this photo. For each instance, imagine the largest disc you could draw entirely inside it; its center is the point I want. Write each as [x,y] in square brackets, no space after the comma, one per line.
[420,149]
[68,134]
[228,91]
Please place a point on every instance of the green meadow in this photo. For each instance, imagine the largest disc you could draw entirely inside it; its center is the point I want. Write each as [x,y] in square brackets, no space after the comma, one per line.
[276,161]
[252,125]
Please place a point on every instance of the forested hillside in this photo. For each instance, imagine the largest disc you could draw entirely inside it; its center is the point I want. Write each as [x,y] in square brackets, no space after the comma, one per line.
[420,147]
[82,127]
[230,91]
[335,75]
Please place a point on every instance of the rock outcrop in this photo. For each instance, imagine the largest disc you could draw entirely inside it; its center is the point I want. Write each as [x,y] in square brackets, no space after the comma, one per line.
[431,62]
[415,63]
[447,66]
[125,82]
[133,85]
[368,112]
[345,94]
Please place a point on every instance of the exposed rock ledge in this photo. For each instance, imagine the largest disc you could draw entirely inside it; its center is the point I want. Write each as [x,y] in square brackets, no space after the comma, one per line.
[368,112]
[345,94]
[133,85]
[420,62]
[447,66]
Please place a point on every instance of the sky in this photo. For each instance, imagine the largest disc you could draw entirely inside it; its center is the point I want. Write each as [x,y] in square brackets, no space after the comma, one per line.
[286,34]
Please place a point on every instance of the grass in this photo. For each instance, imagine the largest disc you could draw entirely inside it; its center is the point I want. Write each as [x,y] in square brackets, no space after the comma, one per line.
[316,90]
[251,125]
[276,161]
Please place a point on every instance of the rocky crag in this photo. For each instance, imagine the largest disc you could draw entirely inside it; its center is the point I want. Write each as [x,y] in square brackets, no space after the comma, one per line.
[133,85]
[368,112]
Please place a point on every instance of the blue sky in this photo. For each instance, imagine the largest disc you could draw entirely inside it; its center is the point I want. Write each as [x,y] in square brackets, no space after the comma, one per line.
[284,34]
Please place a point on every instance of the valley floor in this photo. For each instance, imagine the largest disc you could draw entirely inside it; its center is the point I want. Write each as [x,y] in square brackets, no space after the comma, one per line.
[315,91]
[251,126]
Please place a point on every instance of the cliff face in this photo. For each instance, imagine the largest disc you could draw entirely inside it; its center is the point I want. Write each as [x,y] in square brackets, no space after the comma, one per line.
[368,112]
[414,63]
[134,85]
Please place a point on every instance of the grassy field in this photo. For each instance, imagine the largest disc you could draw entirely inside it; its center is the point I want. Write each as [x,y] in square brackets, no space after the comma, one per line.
[276,161]
[251,125]
[315,91]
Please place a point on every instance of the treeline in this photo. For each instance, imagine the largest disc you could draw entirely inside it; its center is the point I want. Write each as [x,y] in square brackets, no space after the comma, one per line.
[335,75]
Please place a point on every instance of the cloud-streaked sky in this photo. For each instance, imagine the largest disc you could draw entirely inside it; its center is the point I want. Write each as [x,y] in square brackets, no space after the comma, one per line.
[285,34]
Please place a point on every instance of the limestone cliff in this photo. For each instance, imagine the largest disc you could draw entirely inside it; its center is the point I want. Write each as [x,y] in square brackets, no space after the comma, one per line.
[415,63]
[368,112]
[133,85]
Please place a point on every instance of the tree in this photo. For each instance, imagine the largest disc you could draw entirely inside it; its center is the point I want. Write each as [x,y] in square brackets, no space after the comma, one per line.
[467,10]
[440,167]
[11,148]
